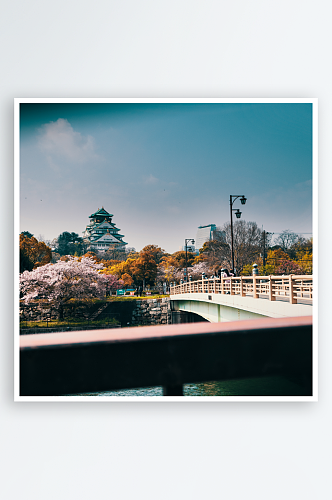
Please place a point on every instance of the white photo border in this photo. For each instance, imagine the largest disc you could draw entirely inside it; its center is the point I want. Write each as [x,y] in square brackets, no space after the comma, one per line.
[149,399]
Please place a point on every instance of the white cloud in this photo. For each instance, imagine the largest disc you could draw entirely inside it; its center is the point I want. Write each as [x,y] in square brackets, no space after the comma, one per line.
[304,185]
[60,139]
[151,179]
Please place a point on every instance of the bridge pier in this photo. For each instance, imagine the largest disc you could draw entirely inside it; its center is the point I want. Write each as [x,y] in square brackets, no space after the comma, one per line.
[179,317]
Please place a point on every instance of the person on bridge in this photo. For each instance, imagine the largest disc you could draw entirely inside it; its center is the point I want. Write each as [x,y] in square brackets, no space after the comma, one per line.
[226,274]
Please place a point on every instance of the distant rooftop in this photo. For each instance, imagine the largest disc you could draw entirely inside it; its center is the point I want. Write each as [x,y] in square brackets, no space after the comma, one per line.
[209,225]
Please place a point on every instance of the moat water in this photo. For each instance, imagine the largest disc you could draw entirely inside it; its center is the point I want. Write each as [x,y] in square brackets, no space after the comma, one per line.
[267,386]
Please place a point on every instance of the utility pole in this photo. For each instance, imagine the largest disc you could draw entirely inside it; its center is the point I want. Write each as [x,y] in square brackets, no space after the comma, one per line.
[186,246]
[264,233]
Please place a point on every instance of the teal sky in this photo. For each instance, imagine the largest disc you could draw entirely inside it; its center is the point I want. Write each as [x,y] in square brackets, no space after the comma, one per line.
[164,169]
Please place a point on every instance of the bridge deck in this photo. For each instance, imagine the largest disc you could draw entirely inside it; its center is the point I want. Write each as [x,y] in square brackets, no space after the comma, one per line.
[245,297]
[293,288]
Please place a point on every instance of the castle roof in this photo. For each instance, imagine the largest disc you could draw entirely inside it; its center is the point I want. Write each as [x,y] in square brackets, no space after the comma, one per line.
[102,212]
[104,224]
[108,238]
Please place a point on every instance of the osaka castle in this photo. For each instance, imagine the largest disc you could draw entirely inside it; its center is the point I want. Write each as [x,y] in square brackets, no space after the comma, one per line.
[101,233]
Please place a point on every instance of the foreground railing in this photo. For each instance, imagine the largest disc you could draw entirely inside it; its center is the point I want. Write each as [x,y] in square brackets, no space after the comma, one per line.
[167,356]
[294,288]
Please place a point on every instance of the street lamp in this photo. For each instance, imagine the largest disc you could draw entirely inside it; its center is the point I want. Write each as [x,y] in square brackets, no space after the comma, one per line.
[243,200]
[186,243]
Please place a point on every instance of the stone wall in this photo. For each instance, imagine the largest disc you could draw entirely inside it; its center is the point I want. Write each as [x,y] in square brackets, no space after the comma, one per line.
[41,311]
[152,312]
[127,312]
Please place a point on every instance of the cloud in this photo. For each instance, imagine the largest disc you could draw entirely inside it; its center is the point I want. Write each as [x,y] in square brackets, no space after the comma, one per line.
[60,139]
[151,180]
[304,185]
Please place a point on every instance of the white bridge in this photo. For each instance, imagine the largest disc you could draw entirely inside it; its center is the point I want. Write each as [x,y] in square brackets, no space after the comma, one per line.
[245,297]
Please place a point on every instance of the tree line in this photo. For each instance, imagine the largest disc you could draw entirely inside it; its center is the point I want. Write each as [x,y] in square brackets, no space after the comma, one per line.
[152,266]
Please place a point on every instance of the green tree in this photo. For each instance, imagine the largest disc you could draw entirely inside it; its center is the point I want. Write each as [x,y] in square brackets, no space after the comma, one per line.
[70,244]
[27,234]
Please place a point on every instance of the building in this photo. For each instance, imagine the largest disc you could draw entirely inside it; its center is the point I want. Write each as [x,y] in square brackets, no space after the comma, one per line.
[190,248]
[208,233]
[101,233]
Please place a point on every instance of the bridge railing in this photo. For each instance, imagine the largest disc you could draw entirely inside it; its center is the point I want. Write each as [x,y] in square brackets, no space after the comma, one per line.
[292,288]
[168,356]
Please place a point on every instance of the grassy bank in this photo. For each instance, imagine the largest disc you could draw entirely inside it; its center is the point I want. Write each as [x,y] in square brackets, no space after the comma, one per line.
[68,322]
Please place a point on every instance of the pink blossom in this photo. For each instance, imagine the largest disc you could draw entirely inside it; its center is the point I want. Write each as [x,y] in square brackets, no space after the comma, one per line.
[195,272]
[62,281]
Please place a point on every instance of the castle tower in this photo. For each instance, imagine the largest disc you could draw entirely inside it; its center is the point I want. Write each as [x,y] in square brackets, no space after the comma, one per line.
[101,233]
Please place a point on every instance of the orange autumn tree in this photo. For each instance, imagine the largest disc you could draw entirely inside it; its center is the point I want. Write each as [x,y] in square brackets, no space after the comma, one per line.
[122,269]
[157,252]
[277,262]
[127,279]
[33,253]
[144,268]
[178,259]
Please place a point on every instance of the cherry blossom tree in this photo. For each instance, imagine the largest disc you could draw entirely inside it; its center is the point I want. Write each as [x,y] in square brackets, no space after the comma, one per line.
[165,272]
[195,271]
[73,279]
[113,283]
[289,267]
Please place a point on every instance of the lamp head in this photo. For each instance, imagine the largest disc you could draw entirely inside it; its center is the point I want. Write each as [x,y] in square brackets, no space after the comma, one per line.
[238,214]
[243,200]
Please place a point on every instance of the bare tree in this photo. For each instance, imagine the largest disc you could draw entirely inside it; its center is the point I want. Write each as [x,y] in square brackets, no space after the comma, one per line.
[247,238]
[286,239]
[114,252]
[217,254]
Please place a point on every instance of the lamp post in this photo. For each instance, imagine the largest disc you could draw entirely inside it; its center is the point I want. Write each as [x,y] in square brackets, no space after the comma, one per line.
[243,200]
[186,243]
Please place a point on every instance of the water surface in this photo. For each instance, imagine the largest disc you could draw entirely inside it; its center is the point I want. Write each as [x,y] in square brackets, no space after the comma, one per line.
[267,386]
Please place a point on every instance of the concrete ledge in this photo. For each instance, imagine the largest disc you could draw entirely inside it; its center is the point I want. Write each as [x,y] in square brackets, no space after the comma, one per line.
[219,307]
